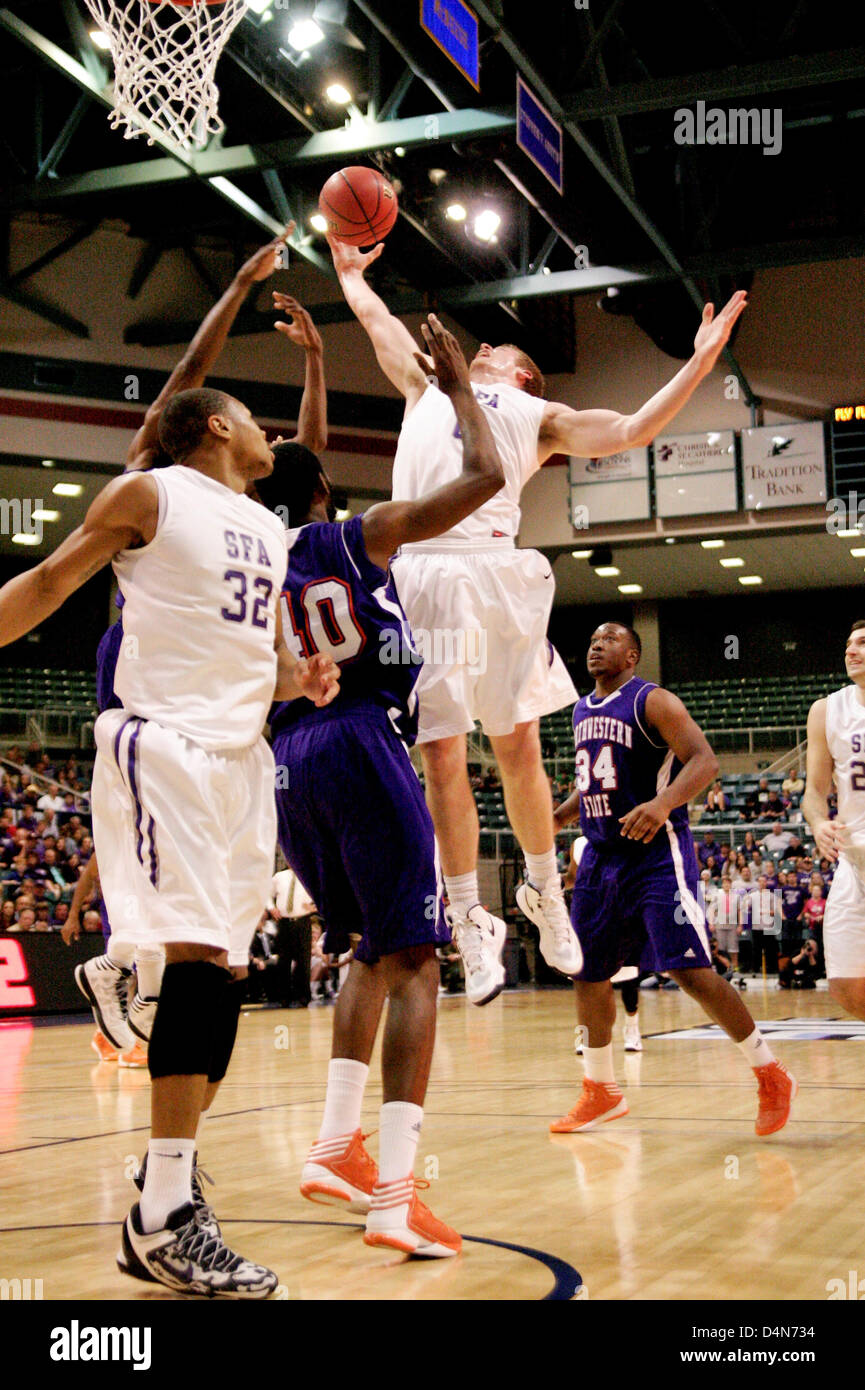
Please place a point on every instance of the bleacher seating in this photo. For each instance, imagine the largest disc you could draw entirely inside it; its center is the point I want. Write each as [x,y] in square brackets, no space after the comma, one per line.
[47,689]
[755,702]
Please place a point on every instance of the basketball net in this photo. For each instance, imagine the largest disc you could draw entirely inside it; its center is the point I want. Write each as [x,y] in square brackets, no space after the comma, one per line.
[165,57]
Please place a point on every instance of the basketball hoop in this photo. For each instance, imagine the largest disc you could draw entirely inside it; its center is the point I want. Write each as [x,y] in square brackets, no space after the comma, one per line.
[165,54]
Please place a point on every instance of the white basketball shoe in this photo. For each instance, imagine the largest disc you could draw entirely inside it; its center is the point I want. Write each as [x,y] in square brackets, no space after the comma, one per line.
[480,939]
[547,909]
[106,986]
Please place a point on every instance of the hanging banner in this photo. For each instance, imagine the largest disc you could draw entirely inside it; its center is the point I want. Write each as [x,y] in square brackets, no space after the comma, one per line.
[615,488]
[695,473]
[784,466]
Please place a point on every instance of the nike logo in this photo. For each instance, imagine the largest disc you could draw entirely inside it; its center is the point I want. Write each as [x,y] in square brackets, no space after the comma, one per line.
[168,1155]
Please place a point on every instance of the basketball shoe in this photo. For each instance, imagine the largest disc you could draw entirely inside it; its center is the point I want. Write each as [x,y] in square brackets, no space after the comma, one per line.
[206,1214]
[104,1050]
[399,1219]
[599,1101]
[104,985]
[136,1056]
[559,945]
[633,1041]
[340,1172]
[188,1257]
[141,1014]
[777,1090]
[480,939]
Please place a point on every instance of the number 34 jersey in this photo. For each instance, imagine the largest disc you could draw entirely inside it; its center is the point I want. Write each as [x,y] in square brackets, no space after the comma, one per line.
[336,601]
[621,761]
[197,651]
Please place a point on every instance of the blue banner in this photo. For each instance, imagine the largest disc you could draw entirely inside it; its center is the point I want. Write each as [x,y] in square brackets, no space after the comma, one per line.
[539,136]
[454,27]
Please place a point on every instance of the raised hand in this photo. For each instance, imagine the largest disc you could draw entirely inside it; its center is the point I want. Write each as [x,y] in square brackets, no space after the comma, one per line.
[449,363]
[713,332]
[300,327]
[265,261]
[350,258]
[318,679]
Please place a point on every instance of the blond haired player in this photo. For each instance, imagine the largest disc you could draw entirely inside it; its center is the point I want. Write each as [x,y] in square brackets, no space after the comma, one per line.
[473,585]
[836,752]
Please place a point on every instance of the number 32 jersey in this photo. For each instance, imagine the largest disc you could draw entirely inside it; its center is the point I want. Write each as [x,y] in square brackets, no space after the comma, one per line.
[336,601]
[621,761]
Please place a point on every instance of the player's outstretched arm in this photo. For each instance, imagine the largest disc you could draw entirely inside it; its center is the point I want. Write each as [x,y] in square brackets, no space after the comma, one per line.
[299,327]
[668,716]
[394,346]
[596,433]
[124,514]
[389,525]
[818,785]
[199,357]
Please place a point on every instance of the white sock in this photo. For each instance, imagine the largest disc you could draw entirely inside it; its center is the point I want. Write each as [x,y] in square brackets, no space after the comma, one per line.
[120,953]
[463,892]
[756,1050]
[598,1062]
[168,1181]
[400,1131]
[541,868]
[346,1080]
[149,965]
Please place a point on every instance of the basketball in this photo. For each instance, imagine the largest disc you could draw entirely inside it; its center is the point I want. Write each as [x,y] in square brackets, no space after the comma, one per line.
[359,204]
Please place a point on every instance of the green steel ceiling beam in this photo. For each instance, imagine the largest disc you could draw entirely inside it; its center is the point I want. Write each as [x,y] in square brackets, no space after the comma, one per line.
[733,83]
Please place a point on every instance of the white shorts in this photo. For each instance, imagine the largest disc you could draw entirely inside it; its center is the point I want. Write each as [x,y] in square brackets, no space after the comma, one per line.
[479,619]
[844,924]
[185,838]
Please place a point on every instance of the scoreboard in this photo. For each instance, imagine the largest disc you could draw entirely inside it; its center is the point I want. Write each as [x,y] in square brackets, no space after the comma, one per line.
[847,434]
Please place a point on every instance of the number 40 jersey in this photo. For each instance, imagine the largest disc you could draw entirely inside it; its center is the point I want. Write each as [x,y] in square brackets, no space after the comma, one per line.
[336,601]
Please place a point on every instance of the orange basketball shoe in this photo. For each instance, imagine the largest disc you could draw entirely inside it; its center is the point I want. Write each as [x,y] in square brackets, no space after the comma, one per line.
[599,1101]
[398,1218]
[777,1091]
[135,1056]
[340,1172]
[105,1051]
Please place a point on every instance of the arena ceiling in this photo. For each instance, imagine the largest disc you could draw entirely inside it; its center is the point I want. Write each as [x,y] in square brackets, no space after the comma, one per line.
[666,223]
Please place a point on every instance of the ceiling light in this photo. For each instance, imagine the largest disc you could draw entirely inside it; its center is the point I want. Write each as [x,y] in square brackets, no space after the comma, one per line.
[25,538]
[608,572]
[486,224]
[342,514]
[437,176]
[581,554]
[41,514]
[670,540]
[455,212]
[338,93]
[100,39]
[858,551]
[846,535]
[47,463]
[630,588]
[750,579]
[67,489]
[318,222]
[399,151]
[712,545]
[304,34]
[547,270]
[732,562]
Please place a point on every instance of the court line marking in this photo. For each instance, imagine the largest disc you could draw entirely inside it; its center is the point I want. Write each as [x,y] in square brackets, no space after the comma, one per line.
[567,1280]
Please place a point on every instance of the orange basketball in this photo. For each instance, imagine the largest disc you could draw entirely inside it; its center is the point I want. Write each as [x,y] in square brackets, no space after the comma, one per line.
[359,204]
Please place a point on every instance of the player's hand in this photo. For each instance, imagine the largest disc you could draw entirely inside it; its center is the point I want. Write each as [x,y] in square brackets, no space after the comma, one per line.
[318,679]
[644,821]
[713,332]
[448,362]
[350,258]
[264,262]
[71,930]
[300,327]
[829,838]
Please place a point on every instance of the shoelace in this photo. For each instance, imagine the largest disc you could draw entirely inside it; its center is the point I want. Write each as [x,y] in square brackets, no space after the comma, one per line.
[196,1243]
[557,919]
[199,1200]
[469,943]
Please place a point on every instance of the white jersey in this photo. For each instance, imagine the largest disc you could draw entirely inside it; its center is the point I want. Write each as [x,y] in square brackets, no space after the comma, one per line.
[429,453]
[845,735]
[199,613]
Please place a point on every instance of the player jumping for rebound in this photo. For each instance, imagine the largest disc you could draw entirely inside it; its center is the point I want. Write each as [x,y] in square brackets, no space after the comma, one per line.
[640,758]
[353,823]
[473,581]
[836,752]
[182,794]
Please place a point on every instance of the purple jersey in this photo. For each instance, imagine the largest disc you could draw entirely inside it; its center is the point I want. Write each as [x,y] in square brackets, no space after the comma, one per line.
[335,600]
[621,761]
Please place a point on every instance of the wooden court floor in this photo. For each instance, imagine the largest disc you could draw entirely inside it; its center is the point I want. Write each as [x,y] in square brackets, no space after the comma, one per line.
[677,1200]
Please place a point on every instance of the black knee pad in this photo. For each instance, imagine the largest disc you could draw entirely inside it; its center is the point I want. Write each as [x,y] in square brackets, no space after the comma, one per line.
[226,1029]
[187,1018]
